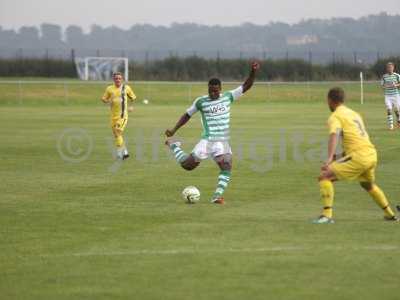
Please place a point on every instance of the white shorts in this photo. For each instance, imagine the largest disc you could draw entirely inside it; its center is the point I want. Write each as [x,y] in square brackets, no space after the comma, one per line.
[392,102]
[205,149]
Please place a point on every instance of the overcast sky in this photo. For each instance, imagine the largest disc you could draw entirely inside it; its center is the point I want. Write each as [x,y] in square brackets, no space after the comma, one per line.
[124,13]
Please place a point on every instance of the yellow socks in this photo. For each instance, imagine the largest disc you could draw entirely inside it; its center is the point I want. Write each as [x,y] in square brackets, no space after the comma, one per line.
[327,194]
[380,199]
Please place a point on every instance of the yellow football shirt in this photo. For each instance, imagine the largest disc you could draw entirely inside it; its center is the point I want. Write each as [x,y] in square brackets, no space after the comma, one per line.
[118,99]
[351,128]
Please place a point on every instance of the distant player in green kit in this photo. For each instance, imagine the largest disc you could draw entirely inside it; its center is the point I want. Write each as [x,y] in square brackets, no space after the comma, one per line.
[214,143]
[391,84]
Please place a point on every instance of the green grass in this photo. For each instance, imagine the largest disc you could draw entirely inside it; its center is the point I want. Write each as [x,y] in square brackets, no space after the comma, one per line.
[99,230]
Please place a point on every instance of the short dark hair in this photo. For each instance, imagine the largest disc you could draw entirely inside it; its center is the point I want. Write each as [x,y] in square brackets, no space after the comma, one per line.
[215,81]
[336,94]
[117,74]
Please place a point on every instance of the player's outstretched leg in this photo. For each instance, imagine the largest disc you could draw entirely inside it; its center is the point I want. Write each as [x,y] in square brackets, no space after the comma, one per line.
[225,164]
[186,161]
[379,197]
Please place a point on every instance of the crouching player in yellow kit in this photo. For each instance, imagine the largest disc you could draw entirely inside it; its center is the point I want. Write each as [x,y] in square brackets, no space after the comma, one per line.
[358,163]
[117,96]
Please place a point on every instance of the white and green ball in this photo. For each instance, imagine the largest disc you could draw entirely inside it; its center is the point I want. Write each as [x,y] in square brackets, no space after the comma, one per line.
[191,194]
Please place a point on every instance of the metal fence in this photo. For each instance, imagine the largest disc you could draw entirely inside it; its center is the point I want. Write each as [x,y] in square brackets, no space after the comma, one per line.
[313,57]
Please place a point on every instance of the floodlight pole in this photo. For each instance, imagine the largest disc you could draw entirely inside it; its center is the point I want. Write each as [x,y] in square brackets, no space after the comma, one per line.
[362,87]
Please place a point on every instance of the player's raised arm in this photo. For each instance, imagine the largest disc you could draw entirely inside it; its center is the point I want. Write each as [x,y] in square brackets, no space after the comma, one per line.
[252,76]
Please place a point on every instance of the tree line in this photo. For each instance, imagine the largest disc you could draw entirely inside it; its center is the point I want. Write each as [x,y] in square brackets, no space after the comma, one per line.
[372,33]
[200,69]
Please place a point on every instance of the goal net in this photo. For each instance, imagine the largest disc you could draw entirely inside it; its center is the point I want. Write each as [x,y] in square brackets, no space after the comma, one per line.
[101,68]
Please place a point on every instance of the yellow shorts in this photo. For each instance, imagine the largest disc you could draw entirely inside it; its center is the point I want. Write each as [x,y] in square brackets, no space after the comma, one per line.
[358,165]
[118,125]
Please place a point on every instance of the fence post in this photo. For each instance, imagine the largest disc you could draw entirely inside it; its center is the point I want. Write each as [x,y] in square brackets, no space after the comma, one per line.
[218,63]
[46,55]
[146,66]
[362,87]
[287,72]
[20,53]
[333,63]
[20,69]
[73,55]
[310,58]
[131,70]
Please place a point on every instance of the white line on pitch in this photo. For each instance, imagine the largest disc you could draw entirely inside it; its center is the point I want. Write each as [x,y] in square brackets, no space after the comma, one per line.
[229,250]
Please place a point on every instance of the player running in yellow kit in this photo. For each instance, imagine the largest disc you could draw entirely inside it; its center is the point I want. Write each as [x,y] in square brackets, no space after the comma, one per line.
[117,96]
[359,160]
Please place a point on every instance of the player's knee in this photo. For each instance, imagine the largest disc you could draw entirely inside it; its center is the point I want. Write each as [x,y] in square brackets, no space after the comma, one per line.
[189,167]
[224,162]
[186,167]
[117,133]
[323,177]
[190,164]
[226,166]
[366,186]
[119,141]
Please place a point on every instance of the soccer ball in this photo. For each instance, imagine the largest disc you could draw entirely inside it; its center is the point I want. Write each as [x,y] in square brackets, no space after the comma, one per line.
[145,101]
[191,194]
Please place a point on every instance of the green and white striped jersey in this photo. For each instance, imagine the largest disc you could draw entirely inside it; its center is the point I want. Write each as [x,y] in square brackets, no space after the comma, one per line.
[393,78]
[215,114]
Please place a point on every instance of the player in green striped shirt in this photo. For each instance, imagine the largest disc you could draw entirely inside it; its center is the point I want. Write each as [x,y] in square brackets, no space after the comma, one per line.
[391,84]
[215,118]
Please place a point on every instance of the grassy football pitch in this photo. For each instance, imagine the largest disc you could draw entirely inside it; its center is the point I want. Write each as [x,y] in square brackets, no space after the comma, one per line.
[76,224]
